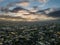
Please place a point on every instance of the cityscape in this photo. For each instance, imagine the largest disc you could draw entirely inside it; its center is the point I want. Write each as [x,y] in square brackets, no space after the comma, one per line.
[29,22]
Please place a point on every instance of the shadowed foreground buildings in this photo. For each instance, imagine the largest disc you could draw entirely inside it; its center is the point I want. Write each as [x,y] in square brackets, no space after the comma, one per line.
[29,34]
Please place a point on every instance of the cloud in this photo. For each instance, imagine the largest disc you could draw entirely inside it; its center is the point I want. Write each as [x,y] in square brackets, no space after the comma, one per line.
[32,17]
[55,14]
[23,3]
[26,16]
[43,1]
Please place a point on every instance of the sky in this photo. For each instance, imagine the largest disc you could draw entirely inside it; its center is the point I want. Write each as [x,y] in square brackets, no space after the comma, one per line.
[32,5]
[42,4]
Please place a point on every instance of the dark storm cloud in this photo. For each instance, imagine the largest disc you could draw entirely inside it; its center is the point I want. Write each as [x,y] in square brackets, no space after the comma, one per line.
[55,14]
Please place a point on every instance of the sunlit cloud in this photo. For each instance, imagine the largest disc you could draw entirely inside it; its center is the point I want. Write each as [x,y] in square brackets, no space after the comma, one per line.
[50,10]
[43,1]
[23,4]
[33,17]
[33,10]
[26,16]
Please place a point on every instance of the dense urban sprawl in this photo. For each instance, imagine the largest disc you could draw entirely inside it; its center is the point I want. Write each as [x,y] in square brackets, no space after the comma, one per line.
[34,34]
